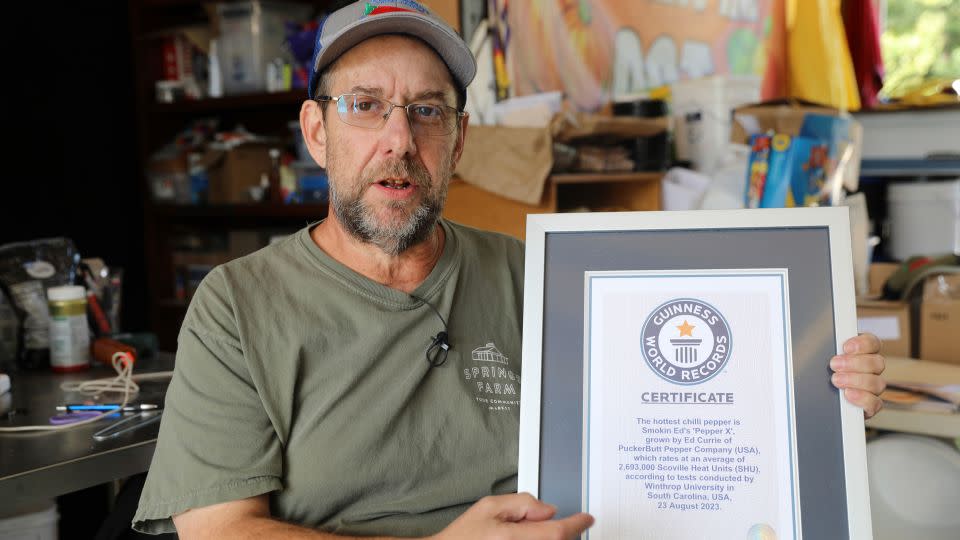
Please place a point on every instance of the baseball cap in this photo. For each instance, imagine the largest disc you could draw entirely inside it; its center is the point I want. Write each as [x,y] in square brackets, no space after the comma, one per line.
[362,20]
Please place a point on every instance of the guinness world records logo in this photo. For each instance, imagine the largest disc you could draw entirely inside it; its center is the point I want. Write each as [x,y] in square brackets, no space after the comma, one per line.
[686,341]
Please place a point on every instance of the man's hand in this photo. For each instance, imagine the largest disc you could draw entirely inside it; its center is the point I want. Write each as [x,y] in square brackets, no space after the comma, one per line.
[519,516]
[858,373]
[503,517]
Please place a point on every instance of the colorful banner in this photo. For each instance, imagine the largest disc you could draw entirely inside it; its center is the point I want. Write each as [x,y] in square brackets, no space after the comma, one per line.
[596,50]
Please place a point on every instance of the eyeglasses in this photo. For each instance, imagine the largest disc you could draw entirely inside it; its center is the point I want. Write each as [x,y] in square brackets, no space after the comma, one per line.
[369,112]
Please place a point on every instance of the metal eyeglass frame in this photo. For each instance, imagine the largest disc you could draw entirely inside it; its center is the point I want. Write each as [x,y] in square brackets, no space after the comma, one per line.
[383,121]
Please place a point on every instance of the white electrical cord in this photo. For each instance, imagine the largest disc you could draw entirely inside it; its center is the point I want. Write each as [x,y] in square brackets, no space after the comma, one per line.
[124,382]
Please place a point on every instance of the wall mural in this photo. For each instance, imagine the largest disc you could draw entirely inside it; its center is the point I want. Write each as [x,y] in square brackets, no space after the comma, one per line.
[597,50]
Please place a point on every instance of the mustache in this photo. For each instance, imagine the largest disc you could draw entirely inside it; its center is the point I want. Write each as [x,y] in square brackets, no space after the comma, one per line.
[412,170]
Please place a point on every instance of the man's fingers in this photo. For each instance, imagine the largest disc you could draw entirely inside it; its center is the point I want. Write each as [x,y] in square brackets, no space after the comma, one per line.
[863,344]
[567,528]
[575,525]
[870,403]
[539,512]
[858,363]
[859,381]
[514,516]
[516,507]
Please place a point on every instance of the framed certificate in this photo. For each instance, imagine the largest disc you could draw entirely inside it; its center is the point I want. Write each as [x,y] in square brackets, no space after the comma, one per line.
[675,374]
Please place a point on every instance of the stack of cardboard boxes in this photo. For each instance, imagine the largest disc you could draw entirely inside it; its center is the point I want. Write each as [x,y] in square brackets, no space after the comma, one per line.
[940,319]
[925,325]
[235,170]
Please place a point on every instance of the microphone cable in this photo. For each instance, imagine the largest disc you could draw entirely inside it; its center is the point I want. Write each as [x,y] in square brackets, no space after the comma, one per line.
[436,353]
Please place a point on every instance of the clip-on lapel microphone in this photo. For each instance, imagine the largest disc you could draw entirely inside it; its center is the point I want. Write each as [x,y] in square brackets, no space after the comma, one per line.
[439,346]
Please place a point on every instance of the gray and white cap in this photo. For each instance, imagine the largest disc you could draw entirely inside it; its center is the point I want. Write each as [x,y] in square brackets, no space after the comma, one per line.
[362,20]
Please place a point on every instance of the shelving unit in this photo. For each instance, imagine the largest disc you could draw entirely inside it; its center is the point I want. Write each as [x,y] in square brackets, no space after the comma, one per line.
[197,213]
[158,123]
[479,208]
[281,100]
[268,114]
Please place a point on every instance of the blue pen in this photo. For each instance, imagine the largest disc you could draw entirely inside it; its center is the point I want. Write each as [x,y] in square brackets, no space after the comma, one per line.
[72,407]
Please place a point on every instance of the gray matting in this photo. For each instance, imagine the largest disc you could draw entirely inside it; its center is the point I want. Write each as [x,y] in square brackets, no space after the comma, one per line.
[805,252]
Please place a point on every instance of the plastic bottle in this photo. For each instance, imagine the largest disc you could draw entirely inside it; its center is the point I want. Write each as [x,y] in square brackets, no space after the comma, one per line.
[215,82]
[276,189]
[69,332]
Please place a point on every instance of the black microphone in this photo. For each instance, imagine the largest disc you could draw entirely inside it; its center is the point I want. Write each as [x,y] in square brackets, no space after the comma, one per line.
[436,353]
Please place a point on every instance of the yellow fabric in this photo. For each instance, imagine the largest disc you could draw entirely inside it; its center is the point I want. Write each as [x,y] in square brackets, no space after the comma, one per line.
[931,92]
[819,65]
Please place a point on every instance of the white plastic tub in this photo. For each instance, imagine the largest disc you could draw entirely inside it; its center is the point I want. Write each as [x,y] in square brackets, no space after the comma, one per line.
[37,525]
[924,218]
[251,36]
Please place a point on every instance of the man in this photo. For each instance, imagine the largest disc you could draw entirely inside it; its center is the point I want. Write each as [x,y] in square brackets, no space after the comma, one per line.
[314,388]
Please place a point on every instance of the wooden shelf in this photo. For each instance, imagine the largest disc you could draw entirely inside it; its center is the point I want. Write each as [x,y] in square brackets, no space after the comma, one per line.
[229,103]
[265,210]
[603,177]
[483,209]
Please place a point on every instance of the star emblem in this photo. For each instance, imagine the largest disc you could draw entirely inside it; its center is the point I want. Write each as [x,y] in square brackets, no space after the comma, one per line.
[686,329]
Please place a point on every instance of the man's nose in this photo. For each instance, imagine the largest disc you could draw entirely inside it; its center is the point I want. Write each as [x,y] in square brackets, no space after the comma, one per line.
[399,133]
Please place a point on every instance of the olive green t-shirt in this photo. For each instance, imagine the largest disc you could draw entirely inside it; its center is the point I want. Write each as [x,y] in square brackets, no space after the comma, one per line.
[297,377]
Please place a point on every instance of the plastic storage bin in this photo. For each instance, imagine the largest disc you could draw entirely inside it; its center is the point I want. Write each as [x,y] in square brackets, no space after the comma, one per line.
[251,36]
[924,218]
[702,110]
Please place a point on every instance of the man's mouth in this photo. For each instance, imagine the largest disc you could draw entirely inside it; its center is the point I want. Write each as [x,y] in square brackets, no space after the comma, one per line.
[395,183]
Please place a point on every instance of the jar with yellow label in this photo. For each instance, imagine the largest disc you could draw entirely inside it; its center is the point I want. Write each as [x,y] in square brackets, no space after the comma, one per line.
[69,332]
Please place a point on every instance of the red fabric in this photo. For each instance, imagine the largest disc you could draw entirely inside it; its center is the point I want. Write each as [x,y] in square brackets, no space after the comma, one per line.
[863,38]
[918,263]
[775,82]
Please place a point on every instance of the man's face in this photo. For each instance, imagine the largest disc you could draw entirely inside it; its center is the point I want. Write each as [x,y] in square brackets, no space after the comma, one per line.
[388,185]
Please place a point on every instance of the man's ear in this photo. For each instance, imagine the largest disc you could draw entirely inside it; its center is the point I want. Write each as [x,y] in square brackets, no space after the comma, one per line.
[314,134]
[461,137]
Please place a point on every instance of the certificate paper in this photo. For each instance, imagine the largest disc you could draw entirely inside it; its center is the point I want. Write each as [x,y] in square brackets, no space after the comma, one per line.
[688,414]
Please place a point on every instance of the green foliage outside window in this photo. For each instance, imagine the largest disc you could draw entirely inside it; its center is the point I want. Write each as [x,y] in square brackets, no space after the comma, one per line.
[921,42]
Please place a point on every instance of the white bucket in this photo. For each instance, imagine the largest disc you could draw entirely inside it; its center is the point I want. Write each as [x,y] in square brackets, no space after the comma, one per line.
[37,525]
[924,218]
[913,487]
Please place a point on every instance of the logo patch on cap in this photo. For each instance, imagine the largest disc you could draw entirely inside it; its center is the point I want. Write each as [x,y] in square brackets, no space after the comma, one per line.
[379,8]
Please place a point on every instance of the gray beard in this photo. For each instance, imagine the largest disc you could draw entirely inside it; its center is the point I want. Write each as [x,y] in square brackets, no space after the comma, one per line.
[361,223]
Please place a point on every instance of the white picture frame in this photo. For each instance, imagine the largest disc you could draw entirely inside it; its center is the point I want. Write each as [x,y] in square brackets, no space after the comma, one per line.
[562,247]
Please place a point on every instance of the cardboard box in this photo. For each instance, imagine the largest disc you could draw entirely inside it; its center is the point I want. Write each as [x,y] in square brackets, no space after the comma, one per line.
[878,275]
[889,321]
[233,172]
[524,155]
[940,319]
